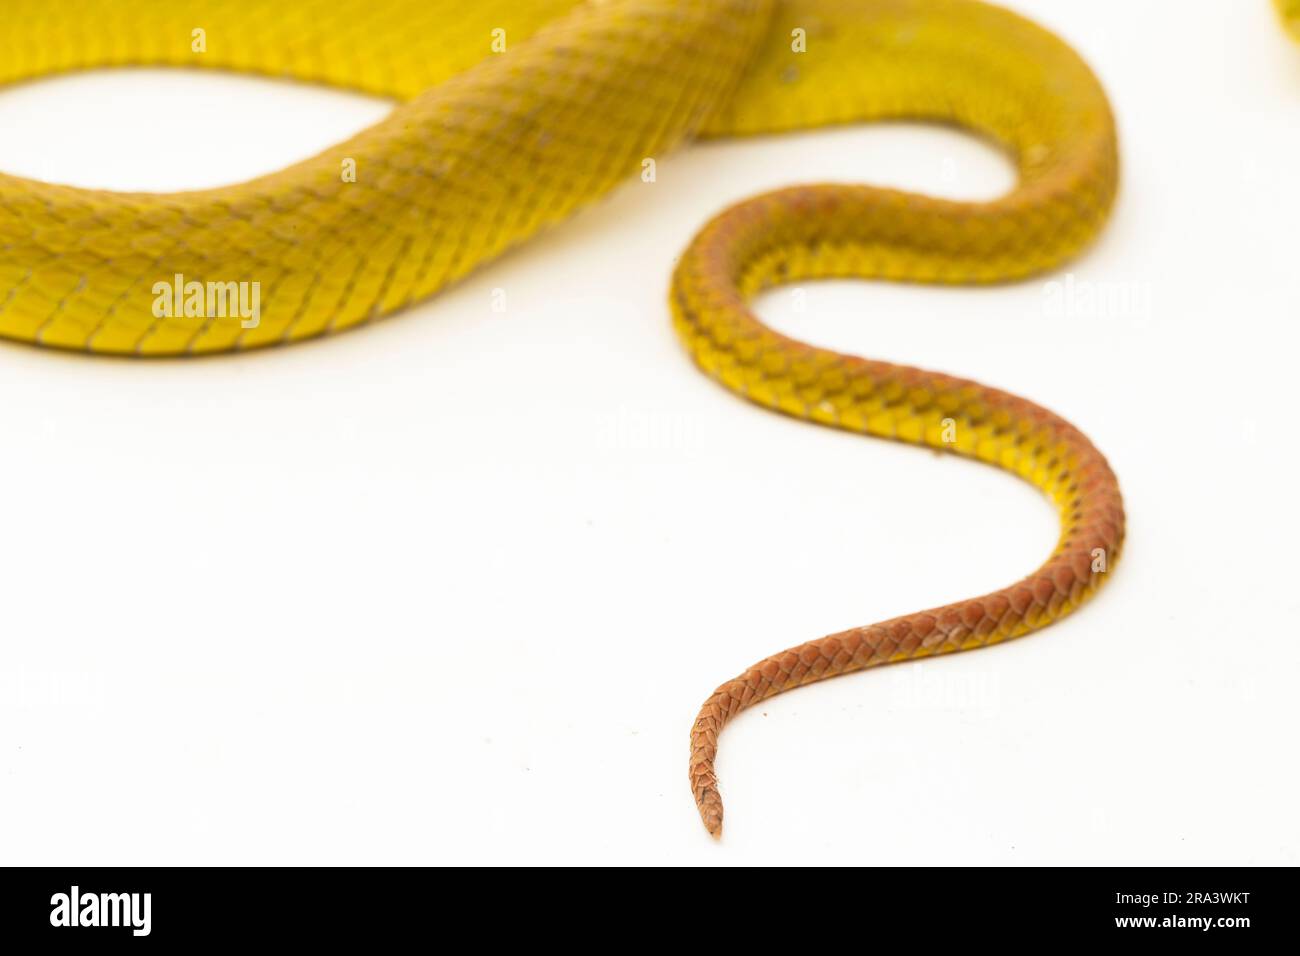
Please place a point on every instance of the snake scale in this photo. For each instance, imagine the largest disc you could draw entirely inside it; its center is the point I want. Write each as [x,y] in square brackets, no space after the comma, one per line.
[512,115]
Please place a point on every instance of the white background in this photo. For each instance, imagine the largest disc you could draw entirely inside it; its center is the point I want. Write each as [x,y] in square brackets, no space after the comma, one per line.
[451,588]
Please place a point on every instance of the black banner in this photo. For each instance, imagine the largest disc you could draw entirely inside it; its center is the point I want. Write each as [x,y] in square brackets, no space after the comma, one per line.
[1147,906]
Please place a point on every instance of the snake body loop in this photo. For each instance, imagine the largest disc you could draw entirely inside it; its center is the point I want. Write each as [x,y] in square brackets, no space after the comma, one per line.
[513,115]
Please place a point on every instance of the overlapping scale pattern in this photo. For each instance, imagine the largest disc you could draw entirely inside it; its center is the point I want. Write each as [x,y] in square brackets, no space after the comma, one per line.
[510,116]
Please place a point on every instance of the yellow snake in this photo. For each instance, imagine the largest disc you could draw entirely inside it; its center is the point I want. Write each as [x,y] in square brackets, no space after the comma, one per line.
[511,115]
[1290,11]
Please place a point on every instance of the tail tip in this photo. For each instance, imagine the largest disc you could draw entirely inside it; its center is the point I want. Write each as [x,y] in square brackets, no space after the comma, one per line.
[710,807]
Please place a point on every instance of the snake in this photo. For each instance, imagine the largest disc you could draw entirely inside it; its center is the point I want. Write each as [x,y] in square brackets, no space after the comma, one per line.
[1289,10]
[508,117]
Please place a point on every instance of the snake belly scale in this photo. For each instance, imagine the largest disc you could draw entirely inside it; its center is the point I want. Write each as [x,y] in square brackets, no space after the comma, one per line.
[493,141]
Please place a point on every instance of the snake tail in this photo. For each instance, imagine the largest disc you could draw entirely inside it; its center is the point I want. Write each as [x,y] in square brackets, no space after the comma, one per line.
[1006,79]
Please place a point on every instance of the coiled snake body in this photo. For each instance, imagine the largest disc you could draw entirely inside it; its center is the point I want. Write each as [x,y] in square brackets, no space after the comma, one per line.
[511,116]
